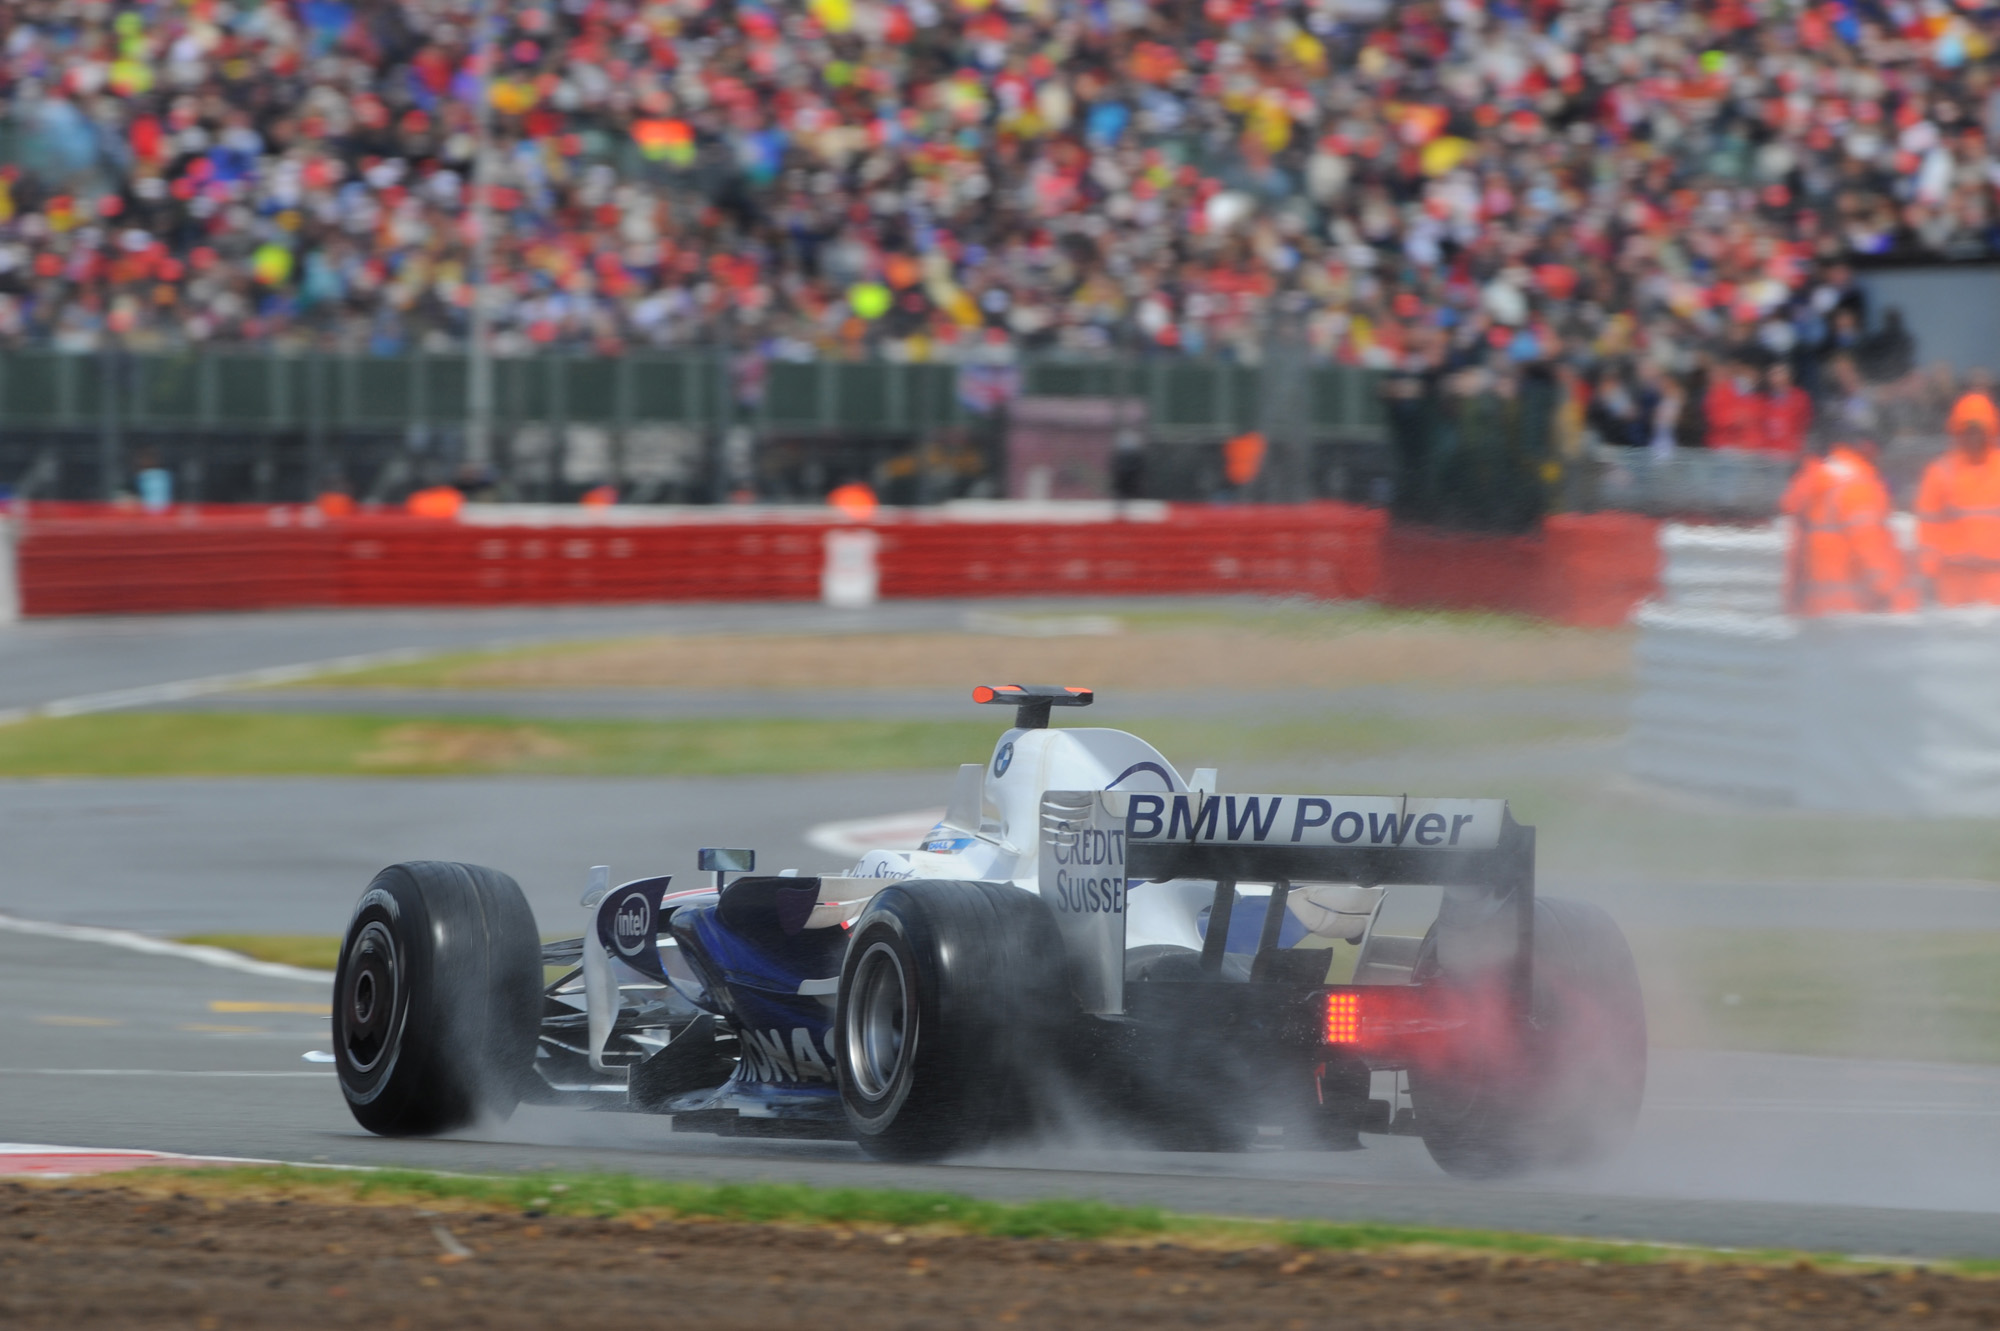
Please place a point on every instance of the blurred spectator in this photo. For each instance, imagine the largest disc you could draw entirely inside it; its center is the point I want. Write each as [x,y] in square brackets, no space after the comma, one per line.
[437,501]
[1662,400]
[1243,462]
[1843,338]
[1445,185]
[1849,404]
[1734,409]
[854,499]
[1128,465]
[1788,411]
[1614,411]
[1889,352]
[154,483]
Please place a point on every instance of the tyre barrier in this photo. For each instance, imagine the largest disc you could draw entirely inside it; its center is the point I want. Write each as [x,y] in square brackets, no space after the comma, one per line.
[1582,569]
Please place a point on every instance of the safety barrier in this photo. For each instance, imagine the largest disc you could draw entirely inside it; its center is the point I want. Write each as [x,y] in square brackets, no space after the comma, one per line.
[1580,568]
[79,560]
[1891,714]
[1326,551]
[94,567]
[75,563]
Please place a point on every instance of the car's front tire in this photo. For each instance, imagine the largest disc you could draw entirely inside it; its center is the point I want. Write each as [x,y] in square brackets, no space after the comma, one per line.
[437,999]
[949,1016]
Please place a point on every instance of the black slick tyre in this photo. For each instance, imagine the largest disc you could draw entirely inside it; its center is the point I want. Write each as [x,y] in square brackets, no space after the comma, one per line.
[949,1017]
[437,999]
[1564,1091]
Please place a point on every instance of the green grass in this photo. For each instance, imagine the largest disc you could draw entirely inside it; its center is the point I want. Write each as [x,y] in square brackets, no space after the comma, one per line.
[297,744]
[617,1195]
[1876,994]
[1205,743]
[282,744]
[1617,828]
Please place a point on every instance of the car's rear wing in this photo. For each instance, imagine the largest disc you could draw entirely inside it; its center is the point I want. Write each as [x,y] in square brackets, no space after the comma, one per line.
[1096,842]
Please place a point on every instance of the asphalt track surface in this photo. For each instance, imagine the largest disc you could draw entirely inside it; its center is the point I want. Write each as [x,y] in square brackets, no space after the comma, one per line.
[109,1048]
[43,661]
[247,855]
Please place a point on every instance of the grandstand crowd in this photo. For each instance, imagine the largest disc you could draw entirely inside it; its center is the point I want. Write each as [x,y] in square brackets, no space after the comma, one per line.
[1661,197]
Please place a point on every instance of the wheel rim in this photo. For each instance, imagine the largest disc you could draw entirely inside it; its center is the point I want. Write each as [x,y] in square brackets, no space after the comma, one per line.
[368,998]
[881,1028]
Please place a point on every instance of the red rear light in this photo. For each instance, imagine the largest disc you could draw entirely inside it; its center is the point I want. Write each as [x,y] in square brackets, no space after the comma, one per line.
[1402,1021]
[1343,1018]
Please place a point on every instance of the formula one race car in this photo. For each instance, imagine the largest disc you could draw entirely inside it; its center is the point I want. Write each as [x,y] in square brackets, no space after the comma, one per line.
[1084,933]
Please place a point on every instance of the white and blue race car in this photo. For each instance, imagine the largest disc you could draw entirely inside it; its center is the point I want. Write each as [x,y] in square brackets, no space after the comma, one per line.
[1085,932]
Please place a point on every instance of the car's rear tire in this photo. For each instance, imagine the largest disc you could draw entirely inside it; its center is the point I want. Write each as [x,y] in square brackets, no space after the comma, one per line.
[1564,1091]
[437,999]
[949,1016]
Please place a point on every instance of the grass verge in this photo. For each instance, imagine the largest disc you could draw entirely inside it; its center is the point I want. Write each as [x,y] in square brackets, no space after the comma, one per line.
[313,952]
[613,1196]
[1857,994]
[1251,649]
[1619,829]
[299,744]
[282,744]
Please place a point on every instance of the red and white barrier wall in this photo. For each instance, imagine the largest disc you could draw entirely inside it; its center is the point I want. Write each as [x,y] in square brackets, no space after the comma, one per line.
[74,560]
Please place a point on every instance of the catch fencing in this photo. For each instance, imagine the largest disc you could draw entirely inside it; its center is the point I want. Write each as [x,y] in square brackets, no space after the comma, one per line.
[277,426]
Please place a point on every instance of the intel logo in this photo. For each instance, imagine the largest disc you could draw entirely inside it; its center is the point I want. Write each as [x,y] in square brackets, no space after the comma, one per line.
[632,926]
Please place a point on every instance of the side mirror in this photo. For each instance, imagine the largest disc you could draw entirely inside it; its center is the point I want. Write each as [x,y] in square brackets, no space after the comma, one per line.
[710,860]
[719,862]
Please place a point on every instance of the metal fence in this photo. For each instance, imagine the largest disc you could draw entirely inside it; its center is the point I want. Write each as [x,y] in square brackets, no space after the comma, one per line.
[1473,461]
[275,391]
[273,425]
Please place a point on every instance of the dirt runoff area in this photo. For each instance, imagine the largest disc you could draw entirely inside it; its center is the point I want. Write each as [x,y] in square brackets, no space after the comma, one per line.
[98,1256]
[1437,653]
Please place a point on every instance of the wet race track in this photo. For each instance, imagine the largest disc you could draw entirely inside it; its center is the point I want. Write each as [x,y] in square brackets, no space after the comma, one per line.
[110,1047]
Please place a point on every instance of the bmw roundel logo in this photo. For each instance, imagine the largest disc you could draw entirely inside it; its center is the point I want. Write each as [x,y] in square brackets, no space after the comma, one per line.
[633,924]
[1003,759]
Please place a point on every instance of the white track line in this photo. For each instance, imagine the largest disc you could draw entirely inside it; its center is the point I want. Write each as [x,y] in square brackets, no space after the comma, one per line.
[221,958]
[148,1072]
[148,695]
